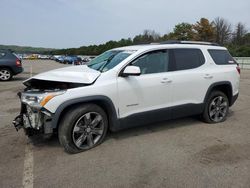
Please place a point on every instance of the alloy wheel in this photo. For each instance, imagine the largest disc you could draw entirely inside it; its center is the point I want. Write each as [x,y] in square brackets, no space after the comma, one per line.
[218,109]
[88,130]
[5,74]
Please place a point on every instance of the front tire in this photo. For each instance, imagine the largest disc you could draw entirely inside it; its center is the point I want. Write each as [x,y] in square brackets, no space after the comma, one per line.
[216,108]
[83,128]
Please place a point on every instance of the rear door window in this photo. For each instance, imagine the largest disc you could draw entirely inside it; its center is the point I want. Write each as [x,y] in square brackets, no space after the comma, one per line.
[183,59]
[221,57]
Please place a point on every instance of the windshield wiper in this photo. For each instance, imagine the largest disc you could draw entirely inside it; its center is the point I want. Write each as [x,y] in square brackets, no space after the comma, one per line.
[102,62]
[107,62]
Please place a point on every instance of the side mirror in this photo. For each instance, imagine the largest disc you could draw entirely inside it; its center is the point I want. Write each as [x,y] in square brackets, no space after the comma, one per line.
[131,71]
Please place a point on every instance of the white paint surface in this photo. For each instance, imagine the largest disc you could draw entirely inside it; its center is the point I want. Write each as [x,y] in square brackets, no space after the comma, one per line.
[28,167]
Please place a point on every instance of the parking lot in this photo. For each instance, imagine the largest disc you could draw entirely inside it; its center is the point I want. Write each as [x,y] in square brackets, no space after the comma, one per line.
[178,153]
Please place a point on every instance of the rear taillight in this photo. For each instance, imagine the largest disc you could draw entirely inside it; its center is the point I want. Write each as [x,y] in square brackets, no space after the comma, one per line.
[238,68]
[18,63]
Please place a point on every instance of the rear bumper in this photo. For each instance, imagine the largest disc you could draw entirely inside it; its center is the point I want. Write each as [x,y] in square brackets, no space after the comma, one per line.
[233,99]
[17,70]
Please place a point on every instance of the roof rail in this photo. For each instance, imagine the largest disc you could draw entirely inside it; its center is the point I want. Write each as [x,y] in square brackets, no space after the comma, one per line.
[189,42]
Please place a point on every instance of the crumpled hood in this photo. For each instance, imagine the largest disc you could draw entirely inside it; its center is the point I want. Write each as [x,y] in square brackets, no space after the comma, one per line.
[72,74]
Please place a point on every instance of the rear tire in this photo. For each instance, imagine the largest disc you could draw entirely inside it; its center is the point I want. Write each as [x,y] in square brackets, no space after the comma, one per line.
[82,128]
[216,108]
[5,74]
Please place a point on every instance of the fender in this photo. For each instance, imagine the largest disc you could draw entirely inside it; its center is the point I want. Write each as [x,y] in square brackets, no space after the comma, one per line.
[98,99]
[212,86]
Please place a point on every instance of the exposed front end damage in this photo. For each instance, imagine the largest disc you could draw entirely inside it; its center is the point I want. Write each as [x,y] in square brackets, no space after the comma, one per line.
[42,88]
[33,117]
[33,120]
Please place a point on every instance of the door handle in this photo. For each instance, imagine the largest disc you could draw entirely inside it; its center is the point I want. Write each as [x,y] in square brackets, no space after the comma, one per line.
[166,80]
[208,76]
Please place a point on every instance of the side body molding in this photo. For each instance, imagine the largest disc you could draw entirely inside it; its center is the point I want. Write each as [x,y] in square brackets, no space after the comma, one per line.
[116,124]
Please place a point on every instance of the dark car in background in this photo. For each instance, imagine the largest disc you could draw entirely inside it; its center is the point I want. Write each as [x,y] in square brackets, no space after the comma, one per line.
[60,59]
[72,60]
[10,65]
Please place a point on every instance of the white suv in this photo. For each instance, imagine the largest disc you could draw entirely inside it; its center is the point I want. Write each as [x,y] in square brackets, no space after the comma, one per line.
[127,87]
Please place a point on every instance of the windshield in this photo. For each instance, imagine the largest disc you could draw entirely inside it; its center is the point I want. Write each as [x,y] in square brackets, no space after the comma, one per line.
[109,60]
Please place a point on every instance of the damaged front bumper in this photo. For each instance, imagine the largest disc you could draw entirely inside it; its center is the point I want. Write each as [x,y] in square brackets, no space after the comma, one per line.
[34,119]
[18,122]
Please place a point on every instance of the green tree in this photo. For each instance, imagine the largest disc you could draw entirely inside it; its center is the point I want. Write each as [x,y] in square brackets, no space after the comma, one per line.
[182,31]
[246,39]
[219,30]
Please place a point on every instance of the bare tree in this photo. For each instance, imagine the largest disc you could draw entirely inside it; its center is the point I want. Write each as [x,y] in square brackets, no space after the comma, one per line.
[239,33]
[146,37]
[223,30]
[151,34]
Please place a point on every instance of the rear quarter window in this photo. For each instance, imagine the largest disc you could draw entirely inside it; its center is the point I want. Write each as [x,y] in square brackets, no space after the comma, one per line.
[16,55]
[221,57]
[186,58]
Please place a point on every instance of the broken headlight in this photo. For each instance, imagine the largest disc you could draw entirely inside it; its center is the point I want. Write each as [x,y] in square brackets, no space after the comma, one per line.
[38,99]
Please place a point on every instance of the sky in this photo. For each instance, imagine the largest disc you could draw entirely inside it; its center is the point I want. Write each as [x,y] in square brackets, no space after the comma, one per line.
[75,23]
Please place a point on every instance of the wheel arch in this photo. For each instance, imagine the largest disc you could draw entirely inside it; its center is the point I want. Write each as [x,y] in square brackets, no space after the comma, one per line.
[104,102]
[6,67]
[225,87]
